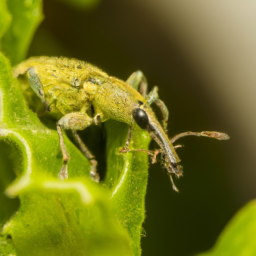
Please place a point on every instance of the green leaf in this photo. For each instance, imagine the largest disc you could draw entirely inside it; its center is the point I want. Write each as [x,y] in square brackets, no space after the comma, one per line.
[238,237]
[26,16]
[6,246]
[127,175]
[5,18]
[66,218]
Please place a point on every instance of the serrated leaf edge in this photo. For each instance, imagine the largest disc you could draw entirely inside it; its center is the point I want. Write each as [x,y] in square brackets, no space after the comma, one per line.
[85,195]
[24,180]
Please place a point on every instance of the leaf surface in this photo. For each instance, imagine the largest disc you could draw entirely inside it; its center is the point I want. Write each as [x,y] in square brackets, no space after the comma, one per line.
[238,237]
[127,175]
[25,16]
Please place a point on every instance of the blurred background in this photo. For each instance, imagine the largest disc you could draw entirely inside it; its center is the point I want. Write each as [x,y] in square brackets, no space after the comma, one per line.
[202,55]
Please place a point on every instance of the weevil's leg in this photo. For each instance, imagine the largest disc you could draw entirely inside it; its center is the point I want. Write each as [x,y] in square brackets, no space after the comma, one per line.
[63,174]
[72,121]
[93,171]
[208,134]
[97,120]
[153,154]
[99,117]
[165,112]
[125,149]
[36,85]
[129,136]
[139,82]
[154,97]
[173,185]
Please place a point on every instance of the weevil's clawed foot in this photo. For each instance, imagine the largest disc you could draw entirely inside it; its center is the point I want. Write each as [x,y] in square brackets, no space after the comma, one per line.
[63,174]
[124,150]
[154,156]
[93,171]
[97,120]
[95,176]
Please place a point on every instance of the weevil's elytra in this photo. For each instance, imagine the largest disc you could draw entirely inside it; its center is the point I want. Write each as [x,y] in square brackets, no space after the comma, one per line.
[71,88]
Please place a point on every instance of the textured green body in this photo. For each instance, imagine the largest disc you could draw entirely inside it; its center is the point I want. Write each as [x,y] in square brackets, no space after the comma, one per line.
[72,85]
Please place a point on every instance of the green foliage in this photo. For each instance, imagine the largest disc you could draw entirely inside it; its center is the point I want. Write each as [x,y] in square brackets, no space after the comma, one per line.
[68,218]
[76,216]
[238,238]
[5,18]
[26,16]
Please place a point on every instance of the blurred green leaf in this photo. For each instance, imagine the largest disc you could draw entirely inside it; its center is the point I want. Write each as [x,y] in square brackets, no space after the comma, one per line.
[6,246]
[26,16]
[5,18]
[73,217]
[238,237]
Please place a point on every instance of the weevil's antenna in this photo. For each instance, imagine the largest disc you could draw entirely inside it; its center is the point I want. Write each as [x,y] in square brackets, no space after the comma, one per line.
[208,134]
[178,146]
[173,185]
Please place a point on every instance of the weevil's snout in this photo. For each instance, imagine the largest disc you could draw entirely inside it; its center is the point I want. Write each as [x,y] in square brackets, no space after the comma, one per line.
[177,170]
[174,168]
[170,160]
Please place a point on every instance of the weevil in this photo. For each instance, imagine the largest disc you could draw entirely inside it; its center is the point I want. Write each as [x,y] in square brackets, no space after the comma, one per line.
[71,88]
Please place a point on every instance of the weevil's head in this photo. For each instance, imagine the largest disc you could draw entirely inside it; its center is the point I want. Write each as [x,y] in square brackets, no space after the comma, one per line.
[146,119]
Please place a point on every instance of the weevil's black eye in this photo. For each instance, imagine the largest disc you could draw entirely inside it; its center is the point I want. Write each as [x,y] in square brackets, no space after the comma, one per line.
[140,117]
